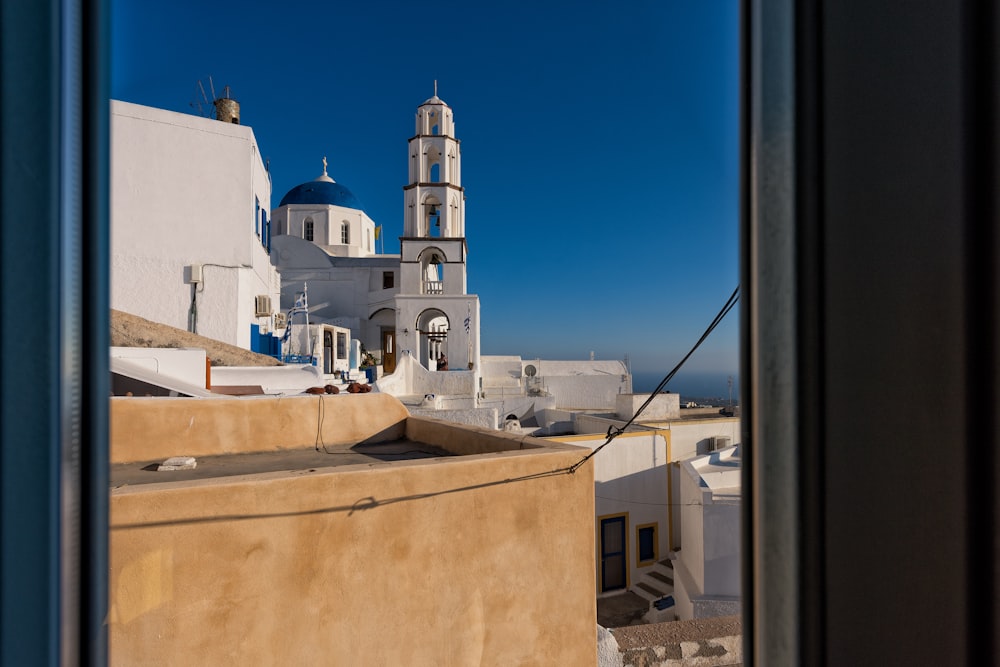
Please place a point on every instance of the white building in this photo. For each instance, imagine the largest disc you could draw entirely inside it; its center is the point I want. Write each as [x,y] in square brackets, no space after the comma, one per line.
[415,303]
[572,385]
[640,508]
[707,572]
[632,525]
[190,232]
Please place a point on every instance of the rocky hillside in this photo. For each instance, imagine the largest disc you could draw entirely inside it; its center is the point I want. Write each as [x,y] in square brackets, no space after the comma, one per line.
[133,331]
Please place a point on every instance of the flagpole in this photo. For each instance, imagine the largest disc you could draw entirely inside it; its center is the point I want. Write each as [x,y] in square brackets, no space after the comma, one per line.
[305,306]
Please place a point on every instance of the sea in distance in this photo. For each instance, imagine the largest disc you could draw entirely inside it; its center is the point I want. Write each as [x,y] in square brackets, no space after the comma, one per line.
[710,388]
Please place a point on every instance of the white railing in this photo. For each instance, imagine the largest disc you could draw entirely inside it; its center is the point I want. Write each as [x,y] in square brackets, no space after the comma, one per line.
[433,287]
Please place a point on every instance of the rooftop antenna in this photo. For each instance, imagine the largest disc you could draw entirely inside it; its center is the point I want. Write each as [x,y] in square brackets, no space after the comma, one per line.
[203,105]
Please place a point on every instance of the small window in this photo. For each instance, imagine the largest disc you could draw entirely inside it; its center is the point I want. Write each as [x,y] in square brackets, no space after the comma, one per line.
[345,233]
[388,280]
[256,216]
[307,229]
[341,345]
[646,538]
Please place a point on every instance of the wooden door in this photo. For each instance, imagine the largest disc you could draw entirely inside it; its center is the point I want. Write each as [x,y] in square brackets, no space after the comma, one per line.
[388,351]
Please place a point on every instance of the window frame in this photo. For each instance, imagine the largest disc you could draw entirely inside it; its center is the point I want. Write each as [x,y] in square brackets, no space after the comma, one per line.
[655,527]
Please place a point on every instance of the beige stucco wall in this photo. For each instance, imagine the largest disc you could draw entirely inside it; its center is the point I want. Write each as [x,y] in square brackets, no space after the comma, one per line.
[448,561]
[150,429]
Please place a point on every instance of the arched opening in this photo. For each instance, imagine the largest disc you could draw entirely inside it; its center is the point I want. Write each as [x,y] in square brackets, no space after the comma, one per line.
[432,164]
[431,278]
[432,327]
[432,217]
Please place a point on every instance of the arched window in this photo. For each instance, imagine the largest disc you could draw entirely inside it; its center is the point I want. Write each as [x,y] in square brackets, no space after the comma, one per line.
[345,232]
[307,229]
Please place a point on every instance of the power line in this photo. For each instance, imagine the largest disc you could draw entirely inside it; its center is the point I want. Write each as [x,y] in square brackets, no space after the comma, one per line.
[615,431]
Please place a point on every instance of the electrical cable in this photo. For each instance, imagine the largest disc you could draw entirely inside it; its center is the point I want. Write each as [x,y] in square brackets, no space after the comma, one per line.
[320,418]
[615,431]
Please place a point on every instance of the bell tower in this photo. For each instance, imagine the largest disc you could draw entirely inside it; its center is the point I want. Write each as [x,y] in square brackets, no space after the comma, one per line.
[435,199]
[436,319]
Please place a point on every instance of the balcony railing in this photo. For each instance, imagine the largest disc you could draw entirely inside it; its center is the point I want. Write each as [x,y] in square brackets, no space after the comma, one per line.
[433,287]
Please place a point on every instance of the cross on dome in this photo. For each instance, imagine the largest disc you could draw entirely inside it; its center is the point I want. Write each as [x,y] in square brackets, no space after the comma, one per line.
[324,176]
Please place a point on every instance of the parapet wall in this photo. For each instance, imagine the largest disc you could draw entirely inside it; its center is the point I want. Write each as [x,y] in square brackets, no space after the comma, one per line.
[148,429]
[482,559]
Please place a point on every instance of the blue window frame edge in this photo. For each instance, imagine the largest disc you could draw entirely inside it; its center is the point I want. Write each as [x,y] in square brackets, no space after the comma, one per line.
[54,407]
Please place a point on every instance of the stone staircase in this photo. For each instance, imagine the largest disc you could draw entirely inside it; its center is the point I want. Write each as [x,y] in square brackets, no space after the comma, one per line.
[655,584]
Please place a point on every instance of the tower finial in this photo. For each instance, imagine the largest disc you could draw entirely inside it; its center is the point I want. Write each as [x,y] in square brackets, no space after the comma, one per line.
[435,87]
[324,165]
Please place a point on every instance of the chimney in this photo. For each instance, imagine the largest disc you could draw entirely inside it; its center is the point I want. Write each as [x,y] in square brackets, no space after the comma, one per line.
[227,109]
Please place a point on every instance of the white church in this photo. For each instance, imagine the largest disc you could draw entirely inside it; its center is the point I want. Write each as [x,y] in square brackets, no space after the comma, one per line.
[415,304]
[197,245]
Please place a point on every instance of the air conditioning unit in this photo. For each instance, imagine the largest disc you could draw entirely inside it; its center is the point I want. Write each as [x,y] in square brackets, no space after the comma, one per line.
[262,305]
[717,442]
[280,320]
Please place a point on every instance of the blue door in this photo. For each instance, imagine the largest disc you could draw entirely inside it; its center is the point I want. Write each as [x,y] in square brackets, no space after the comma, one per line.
[613,557]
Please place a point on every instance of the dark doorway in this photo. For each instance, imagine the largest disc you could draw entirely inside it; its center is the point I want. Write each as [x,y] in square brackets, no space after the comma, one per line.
[327,352]
[613,556]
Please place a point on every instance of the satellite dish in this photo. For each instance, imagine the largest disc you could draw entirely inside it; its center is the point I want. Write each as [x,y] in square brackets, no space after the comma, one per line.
[530,370]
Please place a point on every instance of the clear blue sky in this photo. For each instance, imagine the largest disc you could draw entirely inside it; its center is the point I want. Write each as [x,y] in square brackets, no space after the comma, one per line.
[599,145]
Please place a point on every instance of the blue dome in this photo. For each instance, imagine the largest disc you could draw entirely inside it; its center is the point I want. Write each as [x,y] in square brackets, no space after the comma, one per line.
[322,192]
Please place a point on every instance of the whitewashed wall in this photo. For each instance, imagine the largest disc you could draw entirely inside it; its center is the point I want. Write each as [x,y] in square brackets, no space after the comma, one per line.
[327,221]
[187,364]
[462,348]
[345,292]
[707,573]
[630,475]
[184,191]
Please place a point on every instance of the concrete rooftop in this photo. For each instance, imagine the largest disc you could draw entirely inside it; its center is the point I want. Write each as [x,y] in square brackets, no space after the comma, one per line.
[305,460]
